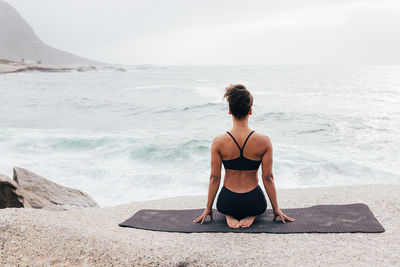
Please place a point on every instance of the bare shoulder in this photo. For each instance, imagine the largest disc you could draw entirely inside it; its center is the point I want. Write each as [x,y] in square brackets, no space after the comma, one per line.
[263,140]
[218,140]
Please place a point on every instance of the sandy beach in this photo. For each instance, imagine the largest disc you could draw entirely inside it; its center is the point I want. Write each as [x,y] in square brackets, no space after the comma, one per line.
[93,237]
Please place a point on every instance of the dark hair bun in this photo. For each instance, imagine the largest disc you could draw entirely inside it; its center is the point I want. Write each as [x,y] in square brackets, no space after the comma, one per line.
[240,100]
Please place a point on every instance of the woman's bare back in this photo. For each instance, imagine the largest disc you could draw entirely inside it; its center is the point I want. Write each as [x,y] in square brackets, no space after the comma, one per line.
[241,181]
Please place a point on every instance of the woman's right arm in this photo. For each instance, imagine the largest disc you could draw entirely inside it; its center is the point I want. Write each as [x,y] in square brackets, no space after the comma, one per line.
[268,181]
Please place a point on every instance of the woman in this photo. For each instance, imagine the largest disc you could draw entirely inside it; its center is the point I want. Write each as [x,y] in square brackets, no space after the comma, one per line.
[241,199]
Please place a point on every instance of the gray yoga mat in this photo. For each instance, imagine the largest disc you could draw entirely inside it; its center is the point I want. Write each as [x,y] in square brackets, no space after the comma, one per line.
[351,218]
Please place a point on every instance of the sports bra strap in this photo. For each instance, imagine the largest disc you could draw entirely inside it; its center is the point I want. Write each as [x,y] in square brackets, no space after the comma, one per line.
[247,139]
[235,141]
[241,149]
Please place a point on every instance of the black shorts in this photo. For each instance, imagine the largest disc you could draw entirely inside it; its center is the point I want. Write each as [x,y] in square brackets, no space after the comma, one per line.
[241,205]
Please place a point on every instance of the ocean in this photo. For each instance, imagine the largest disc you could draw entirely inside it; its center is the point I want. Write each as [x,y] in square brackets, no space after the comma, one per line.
[146,133]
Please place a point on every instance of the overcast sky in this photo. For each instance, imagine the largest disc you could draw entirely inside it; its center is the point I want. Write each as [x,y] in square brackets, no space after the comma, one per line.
[220,32]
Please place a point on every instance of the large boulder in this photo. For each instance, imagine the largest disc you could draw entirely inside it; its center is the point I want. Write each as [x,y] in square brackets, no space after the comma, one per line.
[41,193]
[9,197]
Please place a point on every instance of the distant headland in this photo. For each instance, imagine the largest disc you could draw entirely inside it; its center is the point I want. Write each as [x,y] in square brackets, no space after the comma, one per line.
[20,45]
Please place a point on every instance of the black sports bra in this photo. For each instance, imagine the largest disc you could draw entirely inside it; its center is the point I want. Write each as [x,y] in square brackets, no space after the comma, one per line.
[241,163]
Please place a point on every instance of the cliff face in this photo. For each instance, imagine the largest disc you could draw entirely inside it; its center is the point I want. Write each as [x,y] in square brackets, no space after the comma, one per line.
[18,40]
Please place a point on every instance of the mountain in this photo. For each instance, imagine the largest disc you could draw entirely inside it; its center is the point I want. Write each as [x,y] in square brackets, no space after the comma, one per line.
[19,41]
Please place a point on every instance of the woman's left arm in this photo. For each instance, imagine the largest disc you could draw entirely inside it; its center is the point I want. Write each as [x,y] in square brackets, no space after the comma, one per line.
[215,179]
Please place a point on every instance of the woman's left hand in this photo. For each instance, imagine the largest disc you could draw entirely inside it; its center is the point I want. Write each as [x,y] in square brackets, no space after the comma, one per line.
[282,215]
[204,215]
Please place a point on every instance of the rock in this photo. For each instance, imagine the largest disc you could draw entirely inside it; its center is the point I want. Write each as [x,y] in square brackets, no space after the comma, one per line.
[41,193]
[9,197]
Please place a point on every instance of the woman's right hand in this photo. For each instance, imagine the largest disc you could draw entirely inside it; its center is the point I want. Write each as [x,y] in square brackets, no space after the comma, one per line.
[282,215]
[204,215]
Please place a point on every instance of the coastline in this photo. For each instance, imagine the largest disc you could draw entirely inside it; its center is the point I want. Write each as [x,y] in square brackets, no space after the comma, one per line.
[8,67]
[93,237]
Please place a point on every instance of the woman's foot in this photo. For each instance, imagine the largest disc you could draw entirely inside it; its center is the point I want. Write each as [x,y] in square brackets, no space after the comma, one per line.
[232,222]
[246,222]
